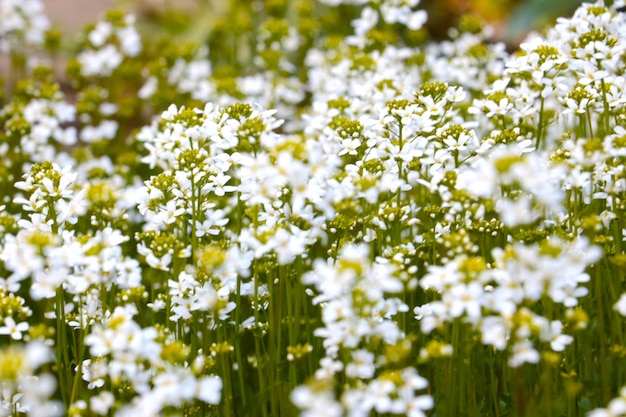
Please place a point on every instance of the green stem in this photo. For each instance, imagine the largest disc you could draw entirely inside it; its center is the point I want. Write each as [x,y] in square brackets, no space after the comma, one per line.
[194,218]
[79,355]
[228,391]
[293,324]
[603,333]
[581,128]
[541,123]
[260,359]
[62,359]
[494,382]
[605,115]
[238,344]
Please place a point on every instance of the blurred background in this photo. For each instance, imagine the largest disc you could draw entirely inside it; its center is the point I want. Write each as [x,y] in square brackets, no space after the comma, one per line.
[512,19]
[70,15]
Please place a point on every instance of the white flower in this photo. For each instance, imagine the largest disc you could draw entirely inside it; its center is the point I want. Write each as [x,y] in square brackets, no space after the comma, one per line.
[100,34]
[22,23]
[501,108]
[616,408]
[46,283]
[558,341]
[170,214]
[148,89]
[162,263]
[13,329]
[367,21]
[209,389]
[102,402]
[465,298]
[380,395]
[523,352]
[315,402]
[362,365]
[519,211]
[416,20]
[69,211]
[129,41]
[494,332]
[101,62]
[620,306]
[173,387]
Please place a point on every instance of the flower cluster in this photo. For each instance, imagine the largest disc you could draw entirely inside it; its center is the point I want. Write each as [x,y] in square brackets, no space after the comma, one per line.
[108,43]
[23,23]
[22,393]
[296,215]
[359,326]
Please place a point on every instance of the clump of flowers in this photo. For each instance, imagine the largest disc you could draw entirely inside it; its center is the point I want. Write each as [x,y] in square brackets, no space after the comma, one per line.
[23,24]
[27,385]
[293,215]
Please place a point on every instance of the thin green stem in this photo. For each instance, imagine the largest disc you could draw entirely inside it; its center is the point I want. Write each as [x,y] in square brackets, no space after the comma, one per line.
[238,344]
[227,401]
[62,351]
[260,357]
[541,123]
[605,115]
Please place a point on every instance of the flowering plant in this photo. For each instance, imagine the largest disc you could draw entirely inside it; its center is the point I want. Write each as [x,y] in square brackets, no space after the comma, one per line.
[297,216]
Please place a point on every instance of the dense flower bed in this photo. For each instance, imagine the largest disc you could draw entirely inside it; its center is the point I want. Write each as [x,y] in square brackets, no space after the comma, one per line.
[314,211]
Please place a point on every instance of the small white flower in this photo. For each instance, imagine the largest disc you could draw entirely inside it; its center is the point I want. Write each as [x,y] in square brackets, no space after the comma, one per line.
[209,389]
[101,62]
[100,34]
[523,352]
[102,402]
[362,365]
[620,306]
[13,329]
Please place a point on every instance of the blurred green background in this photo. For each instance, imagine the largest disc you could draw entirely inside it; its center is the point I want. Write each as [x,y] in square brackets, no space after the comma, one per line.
[511,19]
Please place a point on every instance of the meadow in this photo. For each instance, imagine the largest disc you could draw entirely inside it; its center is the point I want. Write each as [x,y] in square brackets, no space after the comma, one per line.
[311,208]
